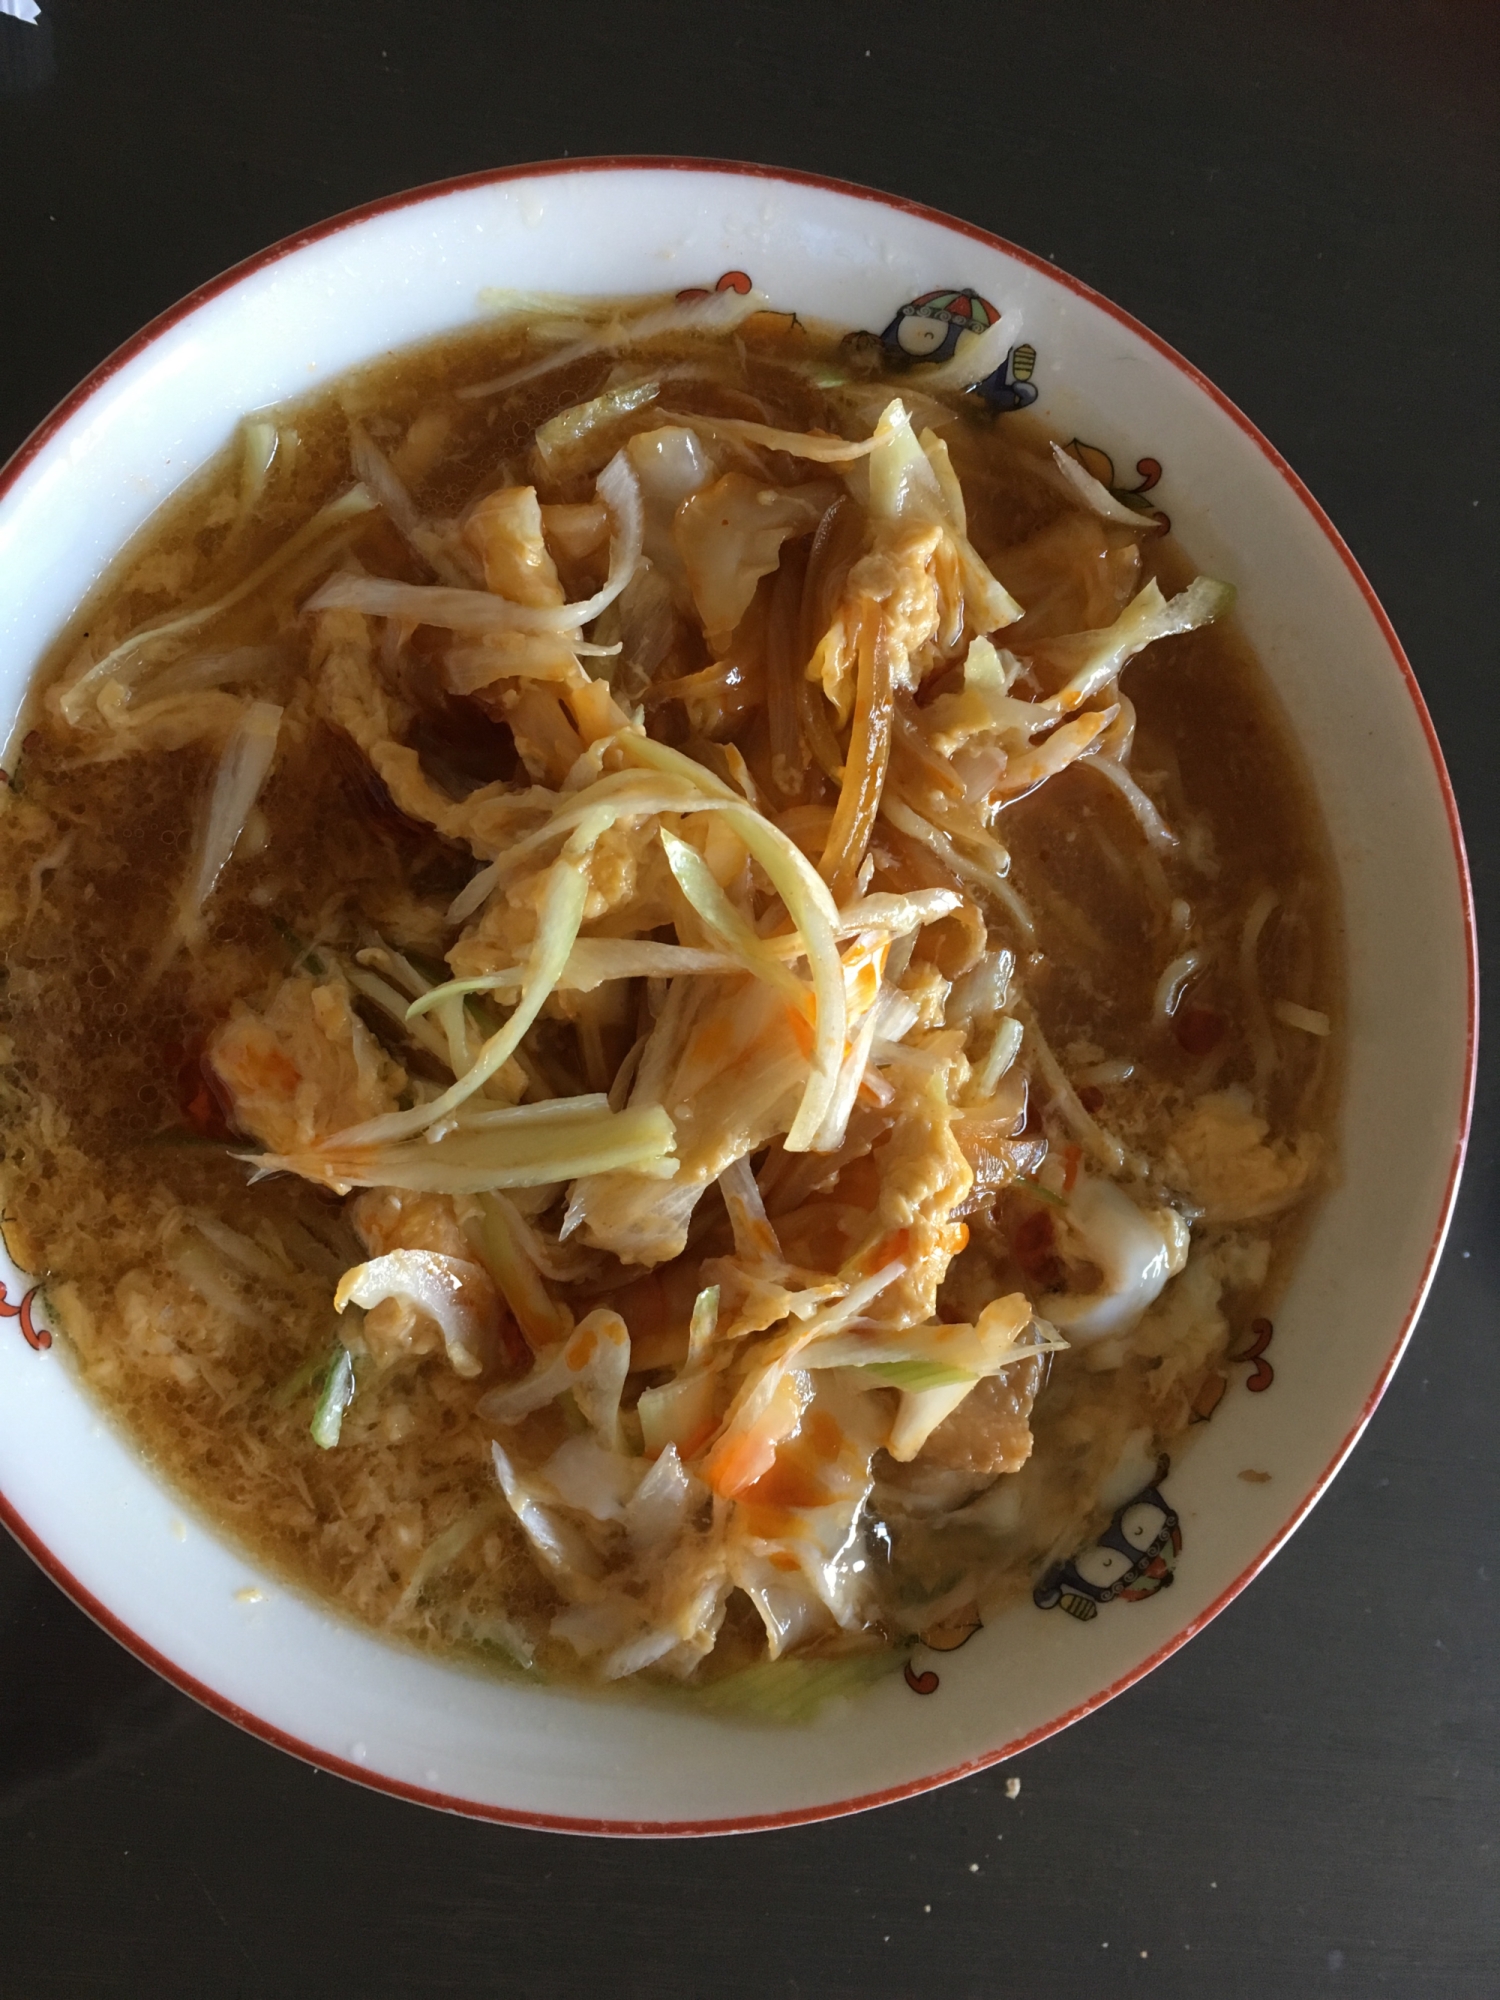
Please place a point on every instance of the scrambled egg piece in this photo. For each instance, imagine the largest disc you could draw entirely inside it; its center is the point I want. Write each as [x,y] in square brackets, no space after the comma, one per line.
[393,1219]
[909,588]
[350,695]
[1186,1327]
[1219,1155]
[923,1178]
[306,1068]
[504,531]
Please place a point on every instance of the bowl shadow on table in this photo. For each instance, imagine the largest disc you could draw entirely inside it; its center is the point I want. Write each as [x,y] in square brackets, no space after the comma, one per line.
[74,1698]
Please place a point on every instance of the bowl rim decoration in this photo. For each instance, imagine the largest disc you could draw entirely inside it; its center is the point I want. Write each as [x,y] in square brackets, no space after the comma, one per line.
[1450,1144]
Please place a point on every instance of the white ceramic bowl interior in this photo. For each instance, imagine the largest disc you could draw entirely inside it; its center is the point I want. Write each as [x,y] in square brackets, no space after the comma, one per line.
[133,1553]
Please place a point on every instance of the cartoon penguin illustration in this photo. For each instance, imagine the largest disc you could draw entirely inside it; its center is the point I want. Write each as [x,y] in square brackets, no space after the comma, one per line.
[1129,1560]
[1011,386]
[930,328]
[934,328]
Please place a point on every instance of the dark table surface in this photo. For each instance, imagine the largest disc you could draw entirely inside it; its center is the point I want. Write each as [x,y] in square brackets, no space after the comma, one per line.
[1301,196]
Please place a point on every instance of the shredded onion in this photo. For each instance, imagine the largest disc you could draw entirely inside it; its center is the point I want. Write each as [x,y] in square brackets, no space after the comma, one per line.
[1308,1019]
[990,881]
[591,963]
[1099,497]
[479,610]
[198,1267]
[1105,1147]
[1171,985]
[445,1549]
[754,1237]
[459,1295]
[211,670]
[376,473]
[243,768]
[697,882]
[249,1256]
[558,919]
[572,426]
[245,765]
[122,662]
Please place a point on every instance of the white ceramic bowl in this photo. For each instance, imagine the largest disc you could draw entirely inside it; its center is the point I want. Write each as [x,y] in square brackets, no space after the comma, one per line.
[129,1550]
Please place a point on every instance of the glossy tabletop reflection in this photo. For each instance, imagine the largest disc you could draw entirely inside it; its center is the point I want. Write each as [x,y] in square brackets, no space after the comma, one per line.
[1302,199]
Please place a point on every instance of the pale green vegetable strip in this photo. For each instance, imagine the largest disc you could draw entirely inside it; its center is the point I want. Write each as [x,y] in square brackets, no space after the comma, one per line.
[243,769]
[471,1160]
[801,444]
[1003,1051]
[300,1379]
[453,1021]
[487,982]
[1104,1146]
[549,1111]
[393,1003]
[715,314]
[481,610]
[1094,494]
[591,962]
[917,1374]
[813,911]
[445,1549]
[697,882]
[905,820]
[537,1313]
[338,1394]
[558,919]
[672,763]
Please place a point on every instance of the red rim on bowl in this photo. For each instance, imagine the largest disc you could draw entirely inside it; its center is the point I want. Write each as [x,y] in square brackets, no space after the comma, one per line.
[550,1822]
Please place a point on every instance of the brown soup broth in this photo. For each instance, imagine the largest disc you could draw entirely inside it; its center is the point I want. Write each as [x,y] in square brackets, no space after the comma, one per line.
[112,1129]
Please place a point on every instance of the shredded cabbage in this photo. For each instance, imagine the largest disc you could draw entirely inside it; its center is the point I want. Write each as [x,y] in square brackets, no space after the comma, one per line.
[558,440]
